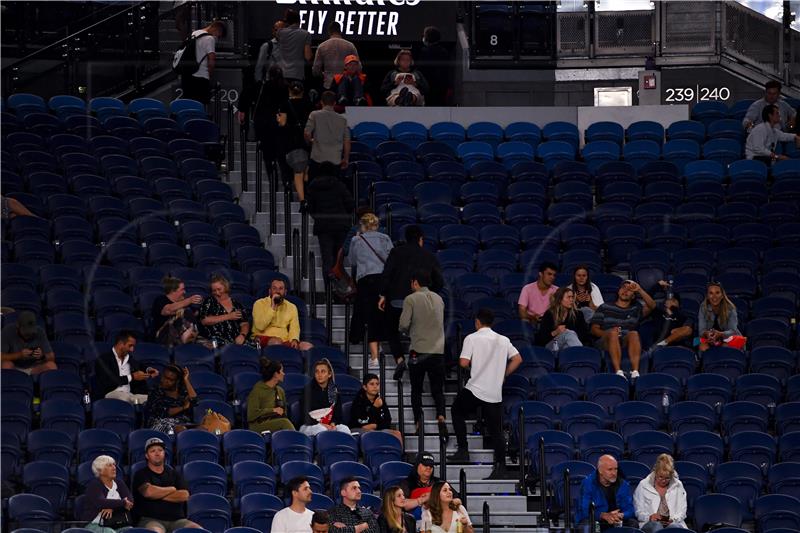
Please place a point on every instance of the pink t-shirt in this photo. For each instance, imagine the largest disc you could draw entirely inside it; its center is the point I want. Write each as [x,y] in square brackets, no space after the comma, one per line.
[532,298]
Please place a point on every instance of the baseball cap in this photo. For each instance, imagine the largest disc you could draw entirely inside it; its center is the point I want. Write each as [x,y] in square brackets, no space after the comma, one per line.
[425,458]
[154,441]
[26,324]
[350,58]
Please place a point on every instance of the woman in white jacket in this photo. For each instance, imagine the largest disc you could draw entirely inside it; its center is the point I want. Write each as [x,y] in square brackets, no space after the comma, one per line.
[660,499]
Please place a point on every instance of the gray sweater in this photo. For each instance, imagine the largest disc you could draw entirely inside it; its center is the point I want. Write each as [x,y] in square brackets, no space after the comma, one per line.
[423,319]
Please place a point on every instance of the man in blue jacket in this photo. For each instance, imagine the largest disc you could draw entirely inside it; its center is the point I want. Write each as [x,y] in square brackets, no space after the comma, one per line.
[611,495]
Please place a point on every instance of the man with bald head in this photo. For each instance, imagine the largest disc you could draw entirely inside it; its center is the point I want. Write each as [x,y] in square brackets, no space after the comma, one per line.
[611,495]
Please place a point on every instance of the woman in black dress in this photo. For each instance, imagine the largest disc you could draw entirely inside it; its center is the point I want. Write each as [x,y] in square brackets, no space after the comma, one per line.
[222,318]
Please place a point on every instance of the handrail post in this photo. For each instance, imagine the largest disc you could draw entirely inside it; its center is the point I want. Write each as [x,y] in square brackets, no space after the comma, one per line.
[329,313]
[365,352]
[217,103]
[372,196]
[243,132]
[312,284]
[592,512]
[347,335]
[462,486]
[542,484]
[287,217]
[304,242]
[443,458]
[486,517]
[421,433]
[230,152]
[567,502]
[355,194]
[459,369]
[259,177]
[273,200]
[382,366]
[401,415]
[521,454]
[389,220]
[297,281]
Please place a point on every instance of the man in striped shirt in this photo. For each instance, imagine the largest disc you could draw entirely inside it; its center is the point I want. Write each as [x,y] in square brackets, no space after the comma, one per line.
[615,325]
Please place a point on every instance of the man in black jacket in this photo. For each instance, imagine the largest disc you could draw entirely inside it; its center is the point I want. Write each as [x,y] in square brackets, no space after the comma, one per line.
[118,375]
[331,206]
[402,263]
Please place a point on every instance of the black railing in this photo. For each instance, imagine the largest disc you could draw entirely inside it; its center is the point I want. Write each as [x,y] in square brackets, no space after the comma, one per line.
[365,356]
[347,335]
[462,487]
[243,133]
[523,488]
[401,415]
[329,315]
[459,368]
[487,517]
[304,242]
[260,185]
[592,513]
[297,279]
[421,431]
[382,366]
[273,199]
[287,219]
[567,501]
[217,107]
[443,459]
[229,164]
[355,194]
[312,284]
[544,519]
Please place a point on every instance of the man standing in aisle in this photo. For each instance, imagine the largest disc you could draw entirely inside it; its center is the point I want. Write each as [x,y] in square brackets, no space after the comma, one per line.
[197,86]
[329,59]
[492,357]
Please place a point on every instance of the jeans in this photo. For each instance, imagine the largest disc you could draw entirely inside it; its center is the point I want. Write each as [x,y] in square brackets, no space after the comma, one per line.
[463,406]
[433,365]
[588,313]
[316,429]
[652,527]
[565,340]
[350,89]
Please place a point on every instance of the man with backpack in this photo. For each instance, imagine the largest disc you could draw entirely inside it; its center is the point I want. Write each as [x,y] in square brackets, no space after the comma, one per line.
[196,63]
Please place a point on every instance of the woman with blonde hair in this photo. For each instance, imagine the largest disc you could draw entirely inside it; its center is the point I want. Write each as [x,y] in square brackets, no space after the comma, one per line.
[563,325]
[445,514]
[223,320]
[717,320]
[660,499]
[404,85]
[393,518]
[368,252]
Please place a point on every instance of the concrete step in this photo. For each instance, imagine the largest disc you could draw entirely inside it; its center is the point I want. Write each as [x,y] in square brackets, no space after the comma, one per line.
[506,503]
[514,521]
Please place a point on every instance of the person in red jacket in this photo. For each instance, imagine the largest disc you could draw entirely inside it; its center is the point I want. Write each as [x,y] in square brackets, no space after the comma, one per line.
[349,85]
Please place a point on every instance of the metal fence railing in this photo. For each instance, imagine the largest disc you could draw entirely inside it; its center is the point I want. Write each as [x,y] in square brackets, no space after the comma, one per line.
[685,27]
[752,38]
[794,66]
[624,32]
[572,34]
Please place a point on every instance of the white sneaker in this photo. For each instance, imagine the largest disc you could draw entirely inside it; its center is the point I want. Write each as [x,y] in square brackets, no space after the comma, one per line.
[374,364]
[634,374]
[621,373]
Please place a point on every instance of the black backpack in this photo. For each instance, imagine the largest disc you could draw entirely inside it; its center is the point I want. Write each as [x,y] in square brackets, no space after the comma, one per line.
[184,62]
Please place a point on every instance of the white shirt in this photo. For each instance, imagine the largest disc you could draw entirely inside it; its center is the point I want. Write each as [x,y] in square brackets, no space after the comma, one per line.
[457,515]
[763,138]
[205,45]
[489,353]
[124,370]
[113,494]
[288,521]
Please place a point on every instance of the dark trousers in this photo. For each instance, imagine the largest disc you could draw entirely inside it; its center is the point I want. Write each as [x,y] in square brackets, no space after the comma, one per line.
[433,365]
[464,406]
[195,88]
[329,244]
[392,332]
[350,89]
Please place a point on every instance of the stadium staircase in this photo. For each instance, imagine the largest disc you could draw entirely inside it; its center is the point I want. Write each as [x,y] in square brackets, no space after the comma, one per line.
[509,510]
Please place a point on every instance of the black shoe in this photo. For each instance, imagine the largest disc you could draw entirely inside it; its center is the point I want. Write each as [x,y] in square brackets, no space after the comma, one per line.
[361,102]
[443,433]
[502,472]
[399,371]
[461,456]
[403,97]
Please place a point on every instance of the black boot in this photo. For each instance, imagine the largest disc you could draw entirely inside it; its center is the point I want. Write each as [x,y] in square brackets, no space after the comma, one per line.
[399,370]
[500,471]
[461,456]
[443,433]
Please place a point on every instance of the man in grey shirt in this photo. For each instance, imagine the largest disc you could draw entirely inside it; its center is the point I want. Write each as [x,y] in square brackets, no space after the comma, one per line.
[772,96]
[761,142]
[327,132]
[329,59]
[423,319]
[25,346]
[295,47]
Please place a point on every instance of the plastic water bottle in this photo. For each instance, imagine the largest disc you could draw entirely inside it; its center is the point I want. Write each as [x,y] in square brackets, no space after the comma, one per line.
[670,292]
[665,402]
[87,399]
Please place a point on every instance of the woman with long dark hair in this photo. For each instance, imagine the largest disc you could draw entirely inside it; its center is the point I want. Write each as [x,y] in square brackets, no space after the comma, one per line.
[587,295]
[445,514]
[562,326]
[393,518]
[322,394]
[266,404]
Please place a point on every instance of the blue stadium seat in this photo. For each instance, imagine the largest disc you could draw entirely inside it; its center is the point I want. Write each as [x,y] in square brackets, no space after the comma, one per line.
[754,447]
[759,388]
[559,446]
[722,150]
[578,471]
[742,481]
[115,415]
[787,417]
[744,416]
[692,416]
[487,132]
[289,445]
[702,447]
[197,445]
[48,480]
[594,444]
[607,390]
[210,510]
[411,133]
[578,418]
[775,511]
[94,442]
[205,477]
[635,416]
[784,478]
[513,152]
[137,440]
[604,131]
[646,446]
[524,132]
[562,131]
[392,472]
[580,362]
[31,511]
[292,469]
[344,469]
[687,129]
[557,389]
[449,133]
[707,111]
[257,510]
[680,152]
[695,479]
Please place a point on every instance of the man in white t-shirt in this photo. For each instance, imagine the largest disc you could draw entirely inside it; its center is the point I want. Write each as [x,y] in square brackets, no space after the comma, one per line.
[492,357]
[198,85]
[296,518]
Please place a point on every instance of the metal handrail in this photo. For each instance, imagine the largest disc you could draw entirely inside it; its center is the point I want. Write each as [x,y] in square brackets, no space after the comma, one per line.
[543,516]
[521,446]
[298,280]
[567,501]
[259,183]
[421,433]
[243,132]
[346,333]
[592,513]
[230,152]
[487,516]
[462,487]
[365,352]
[273,200]
[304,243]
[459,368]
[443,460]
[401,416]
[312,284]
[287,217]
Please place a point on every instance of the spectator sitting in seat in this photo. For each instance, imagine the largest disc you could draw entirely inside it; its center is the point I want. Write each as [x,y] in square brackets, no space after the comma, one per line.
[173,319]
[763,138]
[587,295]
[393,518]
[445,513]
[417,486]
[160,492]
[320,522]
[296,517]
[25,346]
[331,55]
[369,412]
[772,96]
[615,324]
[534,299]
[107,504]
[562,326]
[671,326]
[610,494]
[321,394]
[275,319]
[348,515]
[349,84]
[404,85]
[660,499]
[118,375]
[717,321]
[266,403]
[224,320]
[169,406]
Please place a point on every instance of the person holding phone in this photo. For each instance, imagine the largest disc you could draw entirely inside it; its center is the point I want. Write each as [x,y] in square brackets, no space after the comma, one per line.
[610,494]
[25,346]
[275,319]
[118,375]
[660,499]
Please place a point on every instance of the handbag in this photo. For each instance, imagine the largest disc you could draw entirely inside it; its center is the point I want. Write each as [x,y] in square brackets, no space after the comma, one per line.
[342,284]
[215,423]
[119,518]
